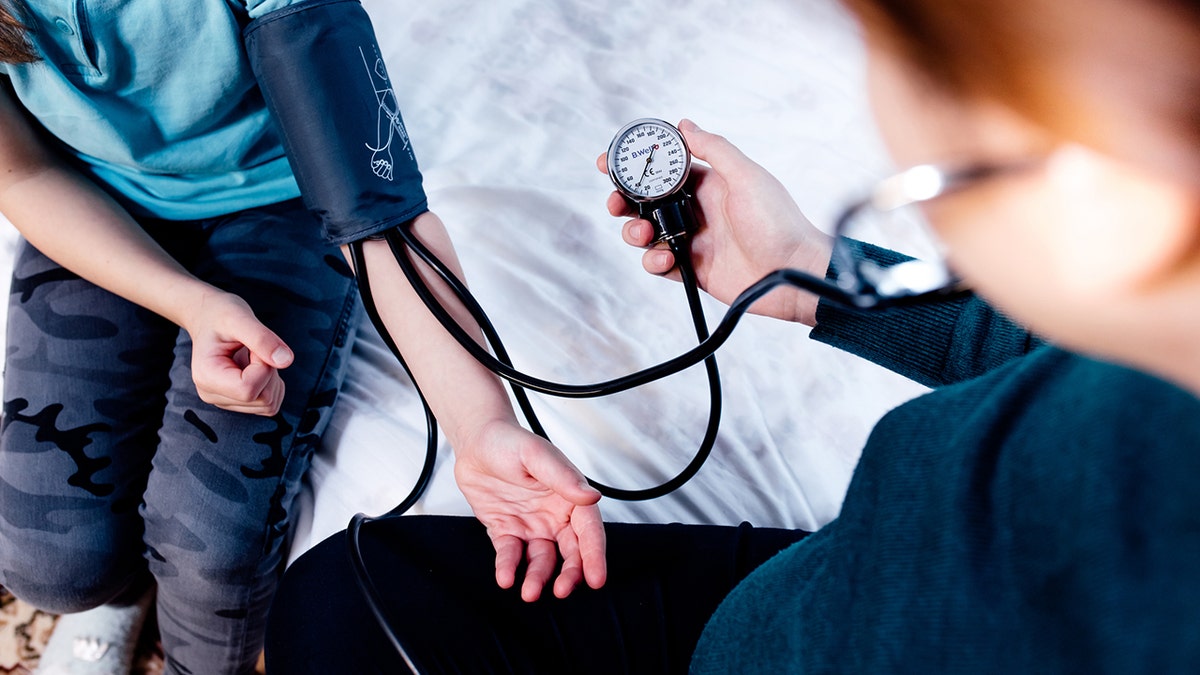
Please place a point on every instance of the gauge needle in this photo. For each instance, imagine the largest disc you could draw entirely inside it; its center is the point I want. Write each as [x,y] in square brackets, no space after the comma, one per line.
[647,169]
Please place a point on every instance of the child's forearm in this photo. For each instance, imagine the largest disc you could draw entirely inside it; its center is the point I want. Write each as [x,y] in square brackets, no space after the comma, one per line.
[81,229]
[73,222]
[464,395]
[535,504]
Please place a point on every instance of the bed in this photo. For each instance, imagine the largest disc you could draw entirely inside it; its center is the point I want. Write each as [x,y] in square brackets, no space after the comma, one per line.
[508,104]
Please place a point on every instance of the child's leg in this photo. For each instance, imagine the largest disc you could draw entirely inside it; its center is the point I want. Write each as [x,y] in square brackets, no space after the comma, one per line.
[218,499]
[83,395]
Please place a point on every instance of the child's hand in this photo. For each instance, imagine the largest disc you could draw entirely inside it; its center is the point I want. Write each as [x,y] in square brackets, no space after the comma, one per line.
[235,358]
[535,505]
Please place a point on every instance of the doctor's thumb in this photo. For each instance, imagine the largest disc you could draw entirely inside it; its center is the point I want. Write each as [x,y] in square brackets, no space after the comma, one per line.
[716,150]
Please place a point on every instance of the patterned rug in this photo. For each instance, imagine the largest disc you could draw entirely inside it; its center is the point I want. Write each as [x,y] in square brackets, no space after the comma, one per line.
[23,634]
[25,630]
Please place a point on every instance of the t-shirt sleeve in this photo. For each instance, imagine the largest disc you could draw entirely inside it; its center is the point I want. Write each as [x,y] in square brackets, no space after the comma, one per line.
[257,8]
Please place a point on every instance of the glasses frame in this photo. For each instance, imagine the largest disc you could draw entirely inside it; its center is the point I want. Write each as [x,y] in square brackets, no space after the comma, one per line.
[859,281]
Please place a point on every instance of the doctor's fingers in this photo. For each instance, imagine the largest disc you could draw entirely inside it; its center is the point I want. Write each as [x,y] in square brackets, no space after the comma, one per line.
[715,150]
[661,262]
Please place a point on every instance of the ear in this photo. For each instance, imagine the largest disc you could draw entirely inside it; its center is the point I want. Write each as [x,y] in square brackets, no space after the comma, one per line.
[1123,228]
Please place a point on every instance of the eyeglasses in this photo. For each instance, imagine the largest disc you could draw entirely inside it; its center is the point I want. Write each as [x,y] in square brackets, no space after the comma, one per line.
[870,277]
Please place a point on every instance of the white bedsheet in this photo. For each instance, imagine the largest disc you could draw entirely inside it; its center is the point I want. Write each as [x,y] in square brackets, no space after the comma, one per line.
[508,104]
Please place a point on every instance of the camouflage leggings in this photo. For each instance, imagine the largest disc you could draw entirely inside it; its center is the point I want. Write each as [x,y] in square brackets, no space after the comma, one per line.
[110,465]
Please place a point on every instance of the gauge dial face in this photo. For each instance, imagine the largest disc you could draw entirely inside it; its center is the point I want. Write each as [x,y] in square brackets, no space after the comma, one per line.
[648,160]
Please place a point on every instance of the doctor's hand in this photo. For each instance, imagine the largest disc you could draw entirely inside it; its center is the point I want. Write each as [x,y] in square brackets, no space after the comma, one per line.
[235,358]
[749,227]
[536,505]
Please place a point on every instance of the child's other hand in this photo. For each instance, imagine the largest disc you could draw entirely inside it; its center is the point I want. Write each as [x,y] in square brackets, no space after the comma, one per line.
[235,358]
[535,505]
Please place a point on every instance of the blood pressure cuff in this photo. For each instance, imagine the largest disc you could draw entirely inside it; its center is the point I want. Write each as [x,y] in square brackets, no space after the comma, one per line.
[320,70]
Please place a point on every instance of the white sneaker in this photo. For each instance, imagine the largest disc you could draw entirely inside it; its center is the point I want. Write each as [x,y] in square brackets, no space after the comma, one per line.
[99,641]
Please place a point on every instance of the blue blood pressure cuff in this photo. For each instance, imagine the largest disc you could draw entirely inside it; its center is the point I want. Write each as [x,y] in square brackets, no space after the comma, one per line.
[322,75]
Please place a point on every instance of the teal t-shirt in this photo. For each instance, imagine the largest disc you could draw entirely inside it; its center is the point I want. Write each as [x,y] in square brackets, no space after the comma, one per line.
[157,101]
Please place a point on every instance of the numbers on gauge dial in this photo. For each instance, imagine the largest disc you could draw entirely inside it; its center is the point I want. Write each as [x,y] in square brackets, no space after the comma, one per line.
[650,160]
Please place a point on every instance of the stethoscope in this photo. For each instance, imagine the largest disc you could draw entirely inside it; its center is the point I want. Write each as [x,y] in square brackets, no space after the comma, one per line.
[649,164]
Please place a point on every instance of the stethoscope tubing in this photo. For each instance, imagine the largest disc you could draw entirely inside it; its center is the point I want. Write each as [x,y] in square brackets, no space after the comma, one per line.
[401,238]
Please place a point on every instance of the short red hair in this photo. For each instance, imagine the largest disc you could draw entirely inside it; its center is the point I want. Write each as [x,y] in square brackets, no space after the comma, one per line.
[1111,74]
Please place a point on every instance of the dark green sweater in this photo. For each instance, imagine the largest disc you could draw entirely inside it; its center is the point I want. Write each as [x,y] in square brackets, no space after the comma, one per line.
[1036,512]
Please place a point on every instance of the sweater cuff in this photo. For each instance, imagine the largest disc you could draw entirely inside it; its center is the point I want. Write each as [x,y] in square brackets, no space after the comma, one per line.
[911,341]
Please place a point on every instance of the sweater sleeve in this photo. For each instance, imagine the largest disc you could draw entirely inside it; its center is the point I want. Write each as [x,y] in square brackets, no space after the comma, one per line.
[935,344]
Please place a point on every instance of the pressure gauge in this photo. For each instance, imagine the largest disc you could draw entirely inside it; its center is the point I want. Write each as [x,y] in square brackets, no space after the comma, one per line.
[648,160]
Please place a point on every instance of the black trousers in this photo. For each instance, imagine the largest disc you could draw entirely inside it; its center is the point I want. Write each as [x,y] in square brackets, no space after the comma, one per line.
[436,578]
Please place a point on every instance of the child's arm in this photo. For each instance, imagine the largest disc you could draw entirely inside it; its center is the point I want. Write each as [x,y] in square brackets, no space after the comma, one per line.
[324,81]
[532,500]
[80,227]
